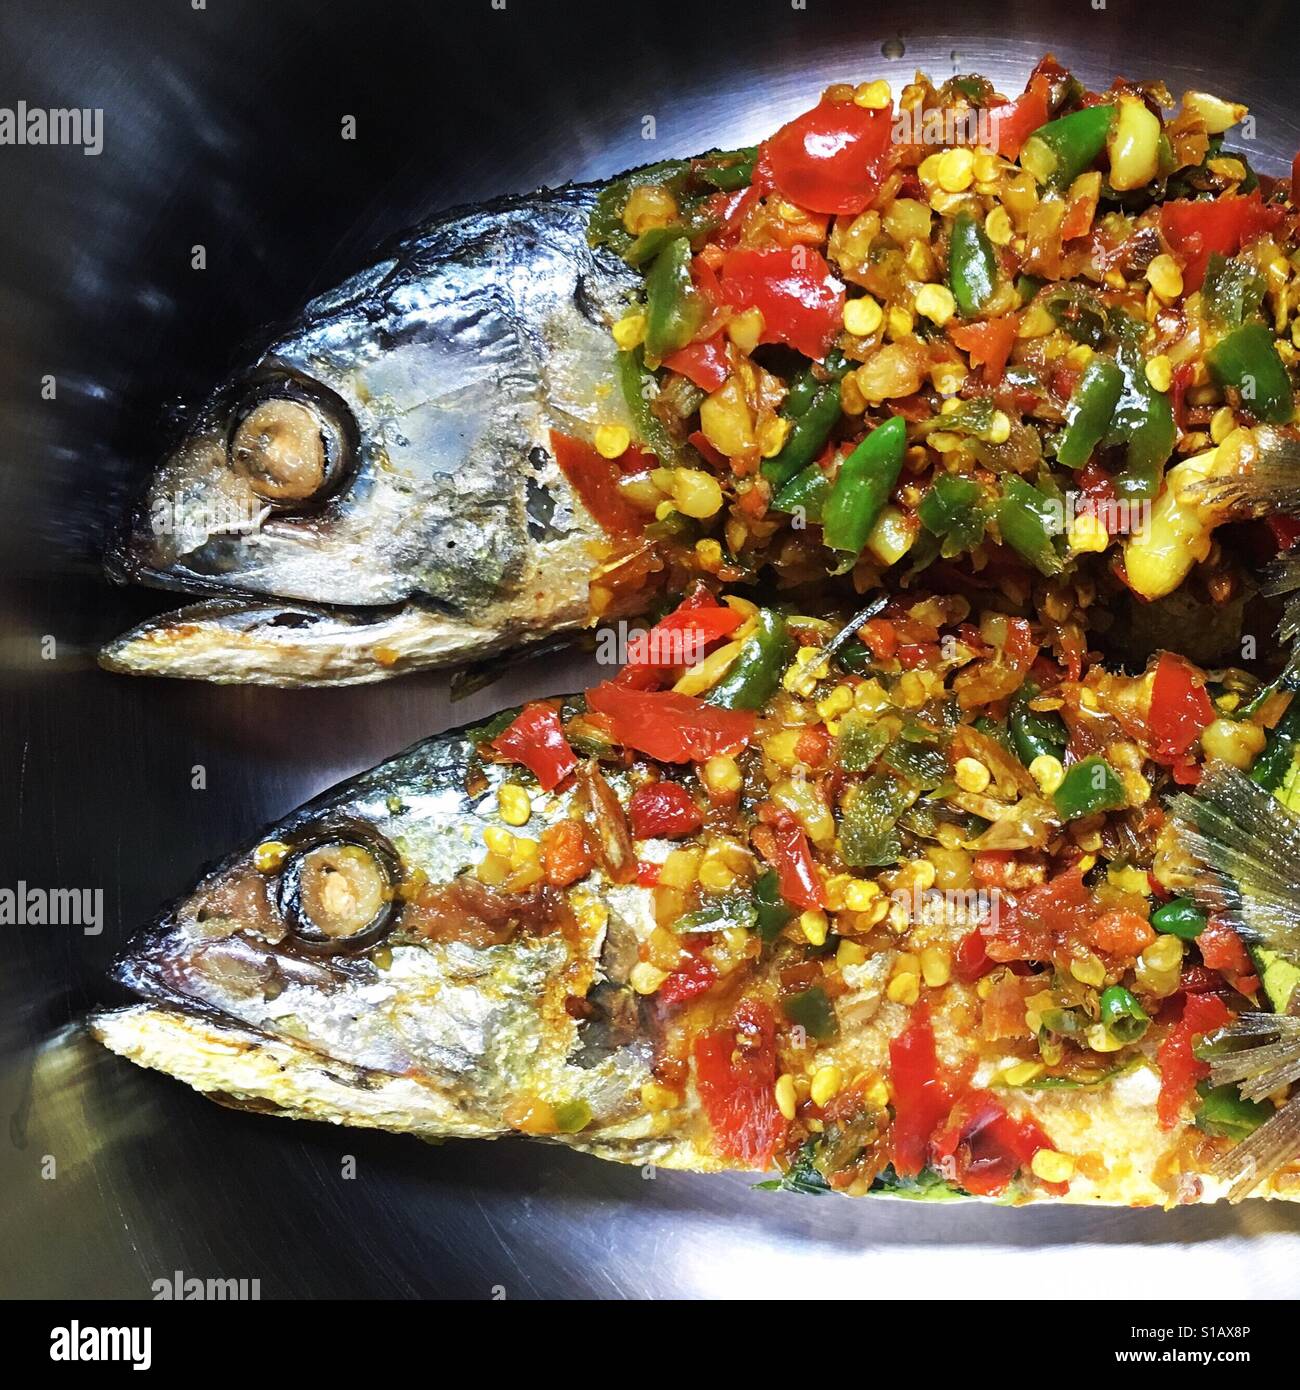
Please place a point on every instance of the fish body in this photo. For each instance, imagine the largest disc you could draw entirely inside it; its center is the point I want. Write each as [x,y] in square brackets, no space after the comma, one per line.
[376,491]
[452,1020]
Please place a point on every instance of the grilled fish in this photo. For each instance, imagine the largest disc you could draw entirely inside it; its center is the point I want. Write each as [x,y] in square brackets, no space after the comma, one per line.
[351,965]
[376,492]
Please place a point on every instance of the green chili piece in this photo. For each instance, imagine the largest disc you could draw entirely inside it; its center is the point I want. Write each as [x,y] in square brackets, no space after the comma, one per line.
[674,307]
[866,479]
[605,227]
[734,910]
[1144,421]
[647,426]
[1027,286]
[807,491]
[997,731]
[952,510]
[1026,519]
[1035,733]
[1058,152]
[1233,290]
[972,265]
[810,379]
[729,171]
[923,765]
[1089,786]
[1224,1112]
[1179,917]
[1273,764]
[812,1011]
[1124,1018]
[809,433]
[868,834]
[772,911]
[1088,415]
[753,677]
[856,658]
[1247,361]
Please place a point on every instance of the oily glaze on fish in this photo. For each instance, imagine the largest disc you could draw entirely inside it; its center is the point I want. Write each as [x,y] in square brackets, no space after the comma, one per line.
[376,493]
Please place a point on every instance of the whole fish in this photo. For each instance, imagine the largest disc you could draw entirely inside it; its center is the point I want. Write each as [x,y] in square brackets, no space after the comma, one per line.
[356,964]
[376,491]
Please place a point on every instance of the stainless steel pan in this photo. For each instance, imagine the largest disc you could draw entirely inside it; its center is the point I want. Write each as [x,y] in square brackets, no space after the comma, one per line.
[222,128]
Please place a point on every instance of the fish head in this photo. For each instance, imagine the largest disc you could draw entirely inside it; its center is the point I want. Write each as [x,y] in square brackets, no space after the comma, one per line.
[349,965]
[389,452]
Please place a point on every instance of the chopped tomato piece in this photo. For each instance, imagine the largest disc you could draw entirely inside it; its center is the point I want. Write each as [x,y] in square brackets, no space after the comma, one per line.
[880,636]
[647,874]
[670,727]
[921,1101]
[813,745]
[833,158]
[679,639]
[1043,921]
[1120,933]
[1078,217]
[1180,1068]
[735,1074]
[595,479]
[1017,120]
[536,739]
[981,1148]
[665,809]
[1180,708]
[972,960]
[988,343]
[687,982]
[913,654]
[566,856]
[796,870]
[703,363]
[700,443]
[1194,228]
[990,868]
[1223,950]
[802,303]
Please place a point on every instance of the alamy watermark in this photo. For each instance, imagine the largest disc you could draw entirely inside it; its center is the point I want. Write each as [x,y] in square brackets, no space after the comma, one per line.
[53,907]
[1128,516]
[974,127]
[73,1342]
[960,906]
[180,1287]
[61,125]
[620,644]
[193,520]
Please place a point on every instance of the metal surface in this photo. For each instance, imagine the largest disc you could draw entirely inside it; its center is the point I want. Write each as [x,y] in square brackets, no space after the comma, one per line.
[222,129]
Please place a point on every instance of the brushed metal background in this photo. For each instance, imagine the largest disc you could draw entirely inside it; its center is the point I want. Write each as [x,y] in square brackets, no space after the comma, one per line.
[222,129]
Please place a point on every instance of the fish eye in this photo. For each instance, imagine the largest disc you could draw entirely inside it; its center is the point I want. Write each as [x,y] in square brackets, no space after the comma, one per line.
[294,441]
[338,893]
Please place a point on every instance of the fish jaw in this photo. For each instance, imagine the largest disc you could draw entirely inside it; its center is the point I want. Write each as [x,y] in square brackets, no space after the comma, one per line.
[435,377]
[440,1036]
[248,1070]
[229,641]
